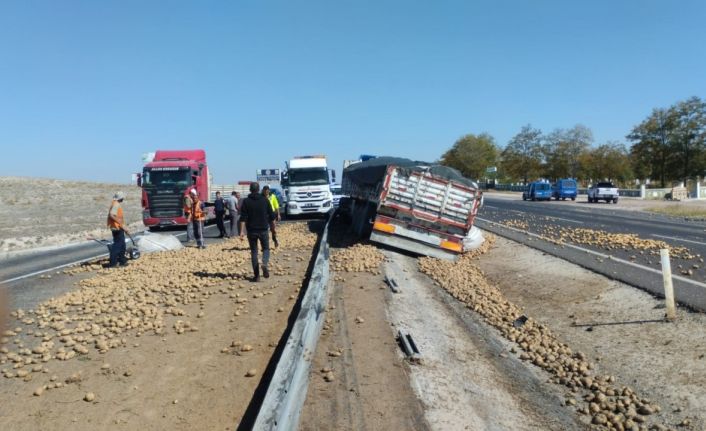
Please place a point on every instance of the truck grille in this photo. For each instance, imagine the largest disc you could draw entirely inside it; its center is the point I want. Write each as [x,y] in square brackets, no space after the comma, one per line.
[165,205]
[309,196]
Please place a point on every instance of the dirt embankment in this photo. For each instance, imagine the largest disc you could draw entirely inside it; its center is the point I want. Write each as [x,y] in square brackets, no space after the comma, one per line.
[43,212]
[175,340]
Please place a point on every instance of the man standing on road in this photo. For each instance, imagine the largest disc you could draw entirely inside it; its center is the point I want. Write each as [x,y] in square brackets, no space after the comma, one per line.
[116,224]
[198,216]
[232,205]
[256,216]
[188,203]
[274,204]
[219,207]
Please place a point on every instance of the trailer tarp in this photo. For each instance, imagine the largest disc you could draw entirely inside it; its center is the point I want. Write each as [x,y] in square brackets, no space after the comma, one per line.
[373,171]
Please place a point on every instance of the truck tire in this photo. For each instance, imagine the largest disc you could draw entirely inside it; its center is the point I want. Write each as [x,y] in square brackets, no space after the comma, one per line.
[533,198]
[590,201]
[615,200]
[573,198]
[563,198]
[524,198]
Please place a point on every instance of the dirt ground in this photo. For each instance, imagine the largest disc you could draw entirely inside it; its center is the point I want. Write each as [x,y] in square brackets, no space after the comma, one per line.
[38,212]
[196,328]
[620,327]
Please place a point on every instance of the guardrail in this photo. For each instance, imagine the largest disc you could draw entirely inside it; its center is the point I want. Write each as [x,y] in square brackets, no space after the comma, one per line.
[286,393]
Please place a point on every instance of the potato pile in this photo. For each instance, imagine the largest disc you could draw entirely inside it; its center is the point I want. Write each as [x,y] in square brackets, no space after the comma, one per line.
[516,223]
[357,258]
[615,241]
[610,405]
[147,297]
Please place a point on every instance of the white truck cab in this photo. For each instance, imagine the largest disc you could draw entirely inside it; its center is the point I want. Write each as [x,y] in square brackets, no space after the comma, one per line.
[307,186]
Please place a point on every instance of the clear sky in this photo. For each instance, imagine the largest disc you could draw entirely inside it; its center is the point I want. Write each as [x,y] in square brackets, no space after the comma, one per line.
[86,87]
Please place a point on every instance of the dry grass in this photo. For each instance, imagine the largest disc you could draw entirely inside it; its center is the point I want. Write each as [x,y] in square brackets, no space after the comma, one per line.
[679,210]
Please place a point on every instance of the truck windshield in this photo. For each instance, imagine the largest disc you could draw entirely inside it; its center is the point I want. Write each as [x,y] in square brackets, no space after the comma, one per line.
[166,178]
[542,186]
[307,177]
[568,184]
[605,185]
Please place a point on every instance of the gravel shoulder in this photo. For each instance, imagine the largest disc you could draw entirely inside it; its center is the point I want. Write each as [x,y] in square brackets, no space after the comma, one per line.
[619,327]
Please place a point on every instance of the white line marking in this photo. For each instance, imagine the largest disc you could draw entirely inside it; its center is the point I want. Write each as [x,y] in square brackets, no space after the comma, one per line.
[32,274]
[678,239]
[595,253]
[52,269]
[565,219]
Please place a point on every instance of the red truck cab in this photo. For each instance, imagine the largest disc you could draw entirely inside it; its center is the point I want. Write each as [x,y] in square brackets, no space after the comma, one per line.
[165,179]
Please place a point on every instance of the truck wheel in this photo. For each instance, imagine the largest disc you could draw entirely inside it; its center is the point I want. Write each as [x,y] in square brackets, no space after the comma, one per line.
[533,198]
[563,199]
[524,198]
[589,199]
[573,198]
[615,201]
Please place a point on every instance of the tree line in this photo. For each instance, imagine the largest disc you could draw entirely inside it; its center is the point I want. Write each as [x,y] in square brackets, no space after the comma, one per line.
[669,145]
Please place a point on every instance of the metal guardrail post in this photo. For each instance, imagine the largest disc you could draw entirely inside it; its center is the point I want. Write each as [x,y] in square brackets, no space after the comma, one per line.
[285,396]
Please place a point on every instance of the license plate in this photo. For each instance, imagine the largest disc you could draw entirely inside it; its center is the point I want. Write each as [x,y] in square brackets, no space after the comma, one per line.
[309,206]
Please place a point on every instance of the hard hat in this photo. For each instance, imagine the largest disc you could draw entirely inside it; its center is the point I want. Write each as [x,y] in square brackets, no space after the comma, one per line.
[119,196]
[194,192]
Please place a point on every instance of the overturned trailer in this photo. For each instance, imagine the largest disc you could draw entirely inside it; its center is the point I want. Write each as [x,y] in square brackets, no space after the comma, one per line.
[416,206]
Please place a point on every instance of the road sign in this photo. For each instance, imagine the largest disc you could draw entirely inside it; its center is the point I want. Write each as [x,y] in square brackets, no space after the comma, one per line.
[491,169]
[267,175]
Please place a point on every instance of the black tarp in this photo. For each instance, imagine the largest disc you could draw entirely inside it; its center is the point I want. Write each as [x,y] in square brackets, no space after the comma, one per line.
[373,171]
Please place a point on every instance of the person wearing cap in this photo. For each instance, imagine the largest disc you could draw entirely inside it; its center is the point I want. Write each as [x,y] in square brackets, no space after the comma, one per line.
[197,216]
[256,216]
[188,203]
[274,204]
[116,224]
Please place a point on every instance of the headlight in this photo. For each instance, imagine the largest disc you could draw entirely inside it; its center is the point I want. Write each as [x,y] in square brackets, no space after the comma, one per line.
[327,204]
[292,206]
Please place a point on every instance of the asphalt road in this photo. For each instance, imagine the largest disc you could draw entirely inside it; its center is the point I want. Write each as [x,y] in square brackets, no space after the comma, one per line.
[542,224]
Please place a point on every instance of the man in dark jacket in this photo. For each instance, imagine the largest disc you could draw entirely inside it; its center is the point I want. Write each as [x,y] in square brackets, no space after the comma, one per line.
[219,207]
[256,216]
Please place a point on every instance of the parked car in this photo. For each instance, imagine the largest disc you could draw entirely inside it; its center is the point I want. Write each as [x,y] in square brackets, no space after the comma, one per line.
[537,190]
[565,188]
[603,191]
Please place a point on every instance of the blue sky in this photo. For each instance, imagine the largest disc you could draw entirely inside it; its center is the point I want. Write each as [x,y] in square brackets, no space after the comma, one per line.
[86,87]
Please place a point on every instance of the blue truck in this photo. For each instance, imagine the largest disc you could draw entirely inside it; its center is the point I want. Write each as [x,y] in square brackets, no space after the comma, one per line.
[564,188]
[538,190]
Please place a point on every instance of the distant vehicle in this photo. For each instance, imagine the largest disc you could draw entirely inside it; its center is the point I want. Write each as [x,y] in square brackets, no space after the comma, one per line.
[538,190]
[420,207]
[307,186]
[603,191]
[166,179]
[565,188]
[337,194]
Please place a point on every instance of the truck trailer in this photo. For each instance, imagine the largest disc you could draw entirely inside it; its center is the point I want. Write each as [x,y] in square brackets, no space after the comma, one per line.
[166,179]
[420,207]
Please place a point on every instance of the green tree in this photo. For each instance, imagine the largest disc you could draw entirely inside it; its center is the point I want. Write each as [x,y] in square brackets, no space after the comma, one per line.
[522,157]
[609,161]
[563,150]
[652,142]
[689,137]
[472,154]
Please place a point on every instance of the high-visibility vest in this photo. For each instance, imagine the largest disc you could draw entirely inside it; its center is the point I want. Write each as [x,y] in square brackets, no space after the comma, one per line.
[274,203]
[196,211]
[112,224]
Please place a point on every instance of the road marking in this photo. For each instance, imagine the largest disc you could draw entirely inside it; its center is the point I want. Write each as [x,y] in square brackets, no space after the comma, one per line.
[565,219]
[595,253]
[32,274]
[678,239]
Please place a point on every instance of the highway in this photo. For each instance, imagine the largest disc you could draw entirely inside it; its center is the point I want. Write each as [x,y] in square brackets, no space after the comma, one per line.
[554,226]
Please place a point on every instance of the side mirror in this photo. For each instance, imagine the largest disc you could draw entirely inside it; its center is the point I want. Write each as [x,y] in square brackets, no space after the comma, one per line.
[333,175]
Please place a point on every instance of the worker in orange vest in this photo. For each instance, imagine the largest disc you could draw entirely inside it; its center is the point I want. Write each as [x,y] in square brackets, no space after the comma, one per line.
[198,216]
[116,224]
